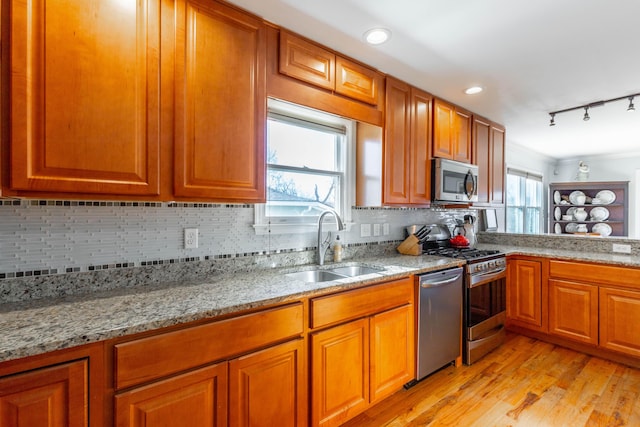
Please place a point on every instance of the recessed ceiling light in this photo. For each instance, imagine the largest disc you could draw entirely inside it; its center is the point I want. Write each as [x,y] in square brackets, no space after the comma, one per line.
[377,36]
[473,90]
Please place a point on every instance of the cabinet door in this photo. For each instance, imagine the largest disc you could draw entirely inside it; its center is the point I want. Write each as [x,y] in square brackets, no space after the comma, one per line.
[339,373]
[482,157]
[525,306]
[196,399]
[392,351]
[573,311]
[220,103]
[84,96]
[461,144]
[268,388]
[421,127]
[443,129]
[397,143]
[306,61]
[619,320]
[497,158]
[357,81]
[56,396]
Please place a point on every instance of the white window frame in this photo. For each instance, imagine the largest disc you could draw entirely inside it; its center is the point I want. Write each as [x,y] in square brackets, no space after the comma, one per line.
[533,176]
[346,159]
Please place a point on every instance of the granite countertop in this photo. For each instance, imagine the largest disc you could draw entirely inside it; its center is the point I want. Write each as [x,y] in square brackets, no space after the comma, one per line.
[40,326]
[568,255]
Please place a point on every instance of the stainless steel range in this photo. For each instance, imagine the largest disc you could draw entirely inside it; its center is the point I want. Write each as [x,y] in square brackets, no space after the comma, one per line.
[484,301]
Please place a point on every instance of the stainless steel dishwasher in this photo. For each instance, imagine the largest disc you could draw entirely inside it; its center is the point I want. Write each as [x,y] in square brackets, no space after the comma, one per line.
[439,319]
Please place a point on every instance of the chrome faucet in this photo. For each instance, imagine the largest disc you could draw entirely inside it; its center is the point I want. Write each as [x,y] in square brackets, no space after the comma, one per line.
[324,245]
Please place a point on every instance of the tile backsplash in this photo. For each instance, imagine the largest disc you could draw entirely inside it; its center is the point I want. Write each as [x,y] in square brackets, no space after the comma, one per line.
[41,237]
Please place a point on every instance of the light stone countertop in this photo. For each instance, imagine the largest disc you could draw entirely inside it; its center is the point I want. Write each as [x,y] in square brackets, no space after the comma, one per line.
[44,325]
[568,255]
[41,326]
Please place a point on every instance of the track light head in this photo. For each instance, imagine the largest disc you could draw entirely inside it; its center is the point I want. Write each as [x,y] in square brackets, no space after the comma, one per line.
[586,114]
[553,119]
[631,107]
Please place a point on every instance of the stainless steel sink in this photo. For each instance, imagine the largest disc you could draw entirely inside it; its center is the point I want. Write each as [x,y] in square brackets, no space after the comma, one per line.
[314,276]
[327,275]
[356,270]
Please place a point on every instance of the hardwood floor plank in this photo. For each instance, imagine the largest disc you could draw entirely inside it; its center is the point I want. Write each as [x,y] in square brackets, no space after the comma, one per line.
[523,383]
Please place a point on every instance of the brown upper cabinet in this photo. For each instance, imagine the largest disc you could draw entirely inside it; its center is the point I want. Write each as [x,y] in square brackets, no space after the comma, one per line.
[451,132]
[82,118]
[314,64]
[488,154]
[220,103]
[407,144]
[86,122]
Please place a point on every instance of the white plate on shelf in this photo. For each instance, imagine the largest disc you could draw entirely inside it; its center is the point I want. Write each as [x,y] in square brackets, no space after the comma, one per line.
[571,210]
[572,227]
[599,213]
[557,213]
[558,228]
[556,197]
[606,197]
[603,229]
[577,197]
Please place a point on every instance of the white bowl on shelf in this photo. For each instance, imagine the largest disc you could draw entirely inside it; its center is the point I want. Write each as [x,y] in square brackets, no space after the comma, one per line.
[599,213]
[606,197]
[577,197]
[603,229]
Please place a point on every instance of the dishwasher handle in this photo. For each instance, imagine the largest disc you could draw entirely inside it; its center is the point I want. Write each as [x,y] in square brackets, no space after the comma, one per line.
[440,278]
[440,282]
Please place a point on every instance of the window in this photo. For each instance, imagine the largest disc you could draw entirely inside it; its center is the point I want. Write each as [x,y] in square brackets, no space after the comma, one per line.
[307,156]
[524,202]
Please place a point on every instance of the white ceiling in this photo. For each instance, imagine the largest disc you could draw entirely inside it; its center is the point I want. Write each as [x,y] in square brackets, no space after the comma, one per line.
[532,57]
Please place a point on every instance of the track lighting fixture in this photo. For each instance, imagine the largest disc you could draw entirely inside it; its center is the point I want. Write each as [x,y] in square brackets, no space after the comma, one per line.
[586,107]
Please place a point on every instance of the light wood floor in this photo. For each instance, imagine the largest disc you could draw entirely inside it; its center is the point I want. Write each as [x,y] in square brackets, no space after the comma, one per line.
[523,383]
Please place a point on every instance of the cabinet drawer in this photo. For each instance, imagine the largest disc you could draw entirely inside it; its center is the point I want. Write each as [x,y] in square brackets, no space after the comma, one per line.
[357,82]
[154,357]
[593,273]
[360,302]
[306,61]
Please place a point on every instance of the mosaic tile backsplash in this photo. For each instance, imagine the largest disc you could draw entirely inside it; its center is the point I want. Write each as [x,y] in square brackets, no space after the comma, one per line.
[44,237]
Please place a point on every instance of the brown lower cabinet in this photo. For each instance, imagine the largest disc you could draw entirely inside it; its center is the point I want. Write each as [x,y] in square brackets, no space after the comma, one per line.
[263,388]
[53,389]
[359,362]
[591,307]
[261,368]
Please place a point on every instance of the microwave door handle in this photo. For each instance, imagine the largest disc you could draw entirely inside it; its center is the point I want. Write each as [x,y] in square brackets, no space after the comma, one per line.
[469,191]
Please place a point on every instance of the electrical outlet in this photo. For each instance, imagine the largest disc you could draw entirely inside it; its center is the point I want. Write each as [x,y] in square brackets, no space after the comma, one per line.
[385,229]
[190,238]
[376,229]
[365,230]
[622,249]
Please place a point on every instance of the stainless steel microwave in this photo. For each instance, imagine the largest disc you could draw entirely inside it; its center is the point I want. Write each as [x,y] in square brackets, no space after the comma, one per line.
[454,181]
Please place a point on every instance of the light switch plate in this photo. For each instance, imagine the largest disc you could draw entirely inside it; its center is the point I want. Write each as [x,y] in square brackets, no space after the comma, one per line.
[365,230]
[376,229]
[385,229]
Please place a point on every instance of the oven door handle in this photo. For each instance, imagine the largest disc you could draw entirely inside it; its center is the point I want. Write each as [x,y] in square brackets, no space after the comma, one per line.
[439,283]
[481,279]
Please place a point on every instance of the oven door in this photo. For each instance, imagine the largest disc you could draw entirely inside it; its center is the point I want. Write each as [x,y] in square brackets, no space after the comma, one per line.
[485,314]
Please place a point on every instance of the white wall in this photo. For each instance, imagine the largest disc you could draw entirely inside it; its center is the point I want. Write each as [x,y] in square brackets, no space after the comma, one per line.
[524,159]
[614,167]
